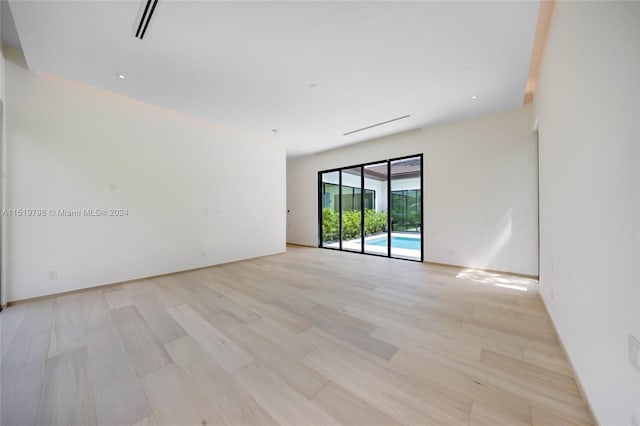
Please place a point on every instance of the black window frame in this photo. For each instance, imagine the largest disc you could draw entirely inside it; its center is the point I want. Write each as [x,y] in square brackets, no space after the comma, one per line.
[339,170]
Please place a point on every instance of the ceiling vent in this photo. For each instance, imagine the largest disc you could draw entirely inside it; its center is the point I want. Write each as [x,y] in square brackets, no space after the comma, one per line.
[149,8]
[376,125]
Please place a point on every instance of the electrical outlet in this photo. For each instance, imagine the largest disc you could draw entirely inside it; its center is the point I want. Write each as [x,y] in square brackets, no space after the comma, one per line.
[53,275]
[634,352]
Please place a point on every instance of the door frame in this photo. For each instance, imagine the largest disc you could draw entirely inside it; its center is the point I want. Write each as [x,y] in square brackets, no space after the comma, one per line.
[362,192]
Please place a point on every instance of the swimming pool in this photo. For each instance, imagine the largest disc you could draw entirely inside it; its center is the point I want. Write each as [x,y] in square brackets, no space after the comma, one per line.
[396,242]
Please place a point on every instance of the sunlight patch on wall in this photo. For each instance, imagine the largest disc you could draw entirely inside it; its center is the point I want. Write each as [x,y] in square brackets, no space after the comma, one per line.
[494,243]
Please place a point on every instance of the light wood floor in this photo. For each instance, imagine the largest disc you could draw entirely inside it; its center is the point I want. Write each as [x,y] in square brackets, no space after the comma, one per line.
[308,337]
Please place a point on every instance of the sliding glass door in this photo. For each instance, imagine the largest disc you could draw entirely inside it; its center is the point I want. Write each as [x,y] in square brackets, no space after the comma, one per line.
[406,208]
[330,209]
[375,214]
[351,209]
[373,208]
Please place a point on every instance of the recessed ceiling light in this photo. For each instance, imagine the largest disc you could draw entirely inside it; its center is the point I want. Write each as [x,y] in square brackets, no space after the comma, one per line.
[121,76]
[474,97]
[274,130]
[312,85]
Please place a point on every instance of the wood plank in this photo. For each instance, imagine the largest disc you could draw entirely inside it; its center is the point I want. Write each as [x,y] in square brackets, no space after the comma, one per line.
[433,393]
[486,414]
[224,351]
[366,327]
[549,361]
[285,318]
[67,397]
[236,310]
[139,288]
[544,415]
[225,304]
[144,349]
[154,313]
[530,372]
[207,294]
[281,336]
[387,315]
[119,397]
[23,366]
[259,291]
[68,331]
[437,343]
[294,323]
[292,371]
[343,330]
[379,391]
[535,392]
[512,349]
[180,288]
[147,421]
[226,396]
[550,347]
[175,400]
[22,378]
[96,310]
[472,386]
[117,298]
[348,409]
[283,403]
[10,321]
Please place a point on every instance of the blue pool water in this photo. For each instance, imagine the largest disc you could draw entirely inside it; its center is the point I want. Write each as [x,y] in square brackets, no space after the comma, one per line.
[397,242]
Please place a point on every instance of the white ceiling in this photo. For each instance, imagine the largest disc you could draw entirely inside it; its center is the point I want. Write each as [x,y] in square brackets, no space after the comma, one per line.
[248,65]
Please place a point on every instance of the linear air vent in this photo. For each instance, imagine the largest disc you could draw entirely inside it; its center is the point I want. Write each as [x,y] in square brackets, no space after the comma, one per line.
[149,8]
[376,125]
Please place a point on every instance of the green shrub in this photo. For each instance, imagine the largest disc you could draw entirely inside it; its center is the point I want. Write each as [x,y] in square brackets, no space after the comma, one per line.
[374,222]
[351,224]
[330,225]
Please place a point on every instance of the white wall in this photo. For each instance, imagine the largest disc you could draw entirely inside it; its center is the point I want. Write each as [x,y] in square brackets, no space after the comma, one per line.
[380,187]
[1,65]
[405,184]
[2,176]
[480,189]
[197,194]
[1,73]
[588,103]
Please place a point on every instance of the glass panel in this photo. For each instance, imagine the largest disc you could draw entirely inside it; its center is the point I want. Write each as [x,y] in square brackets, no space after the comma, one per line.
[330,210]
[351,205]
[380,209]
[369,198]
[375,214]
[406,213]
